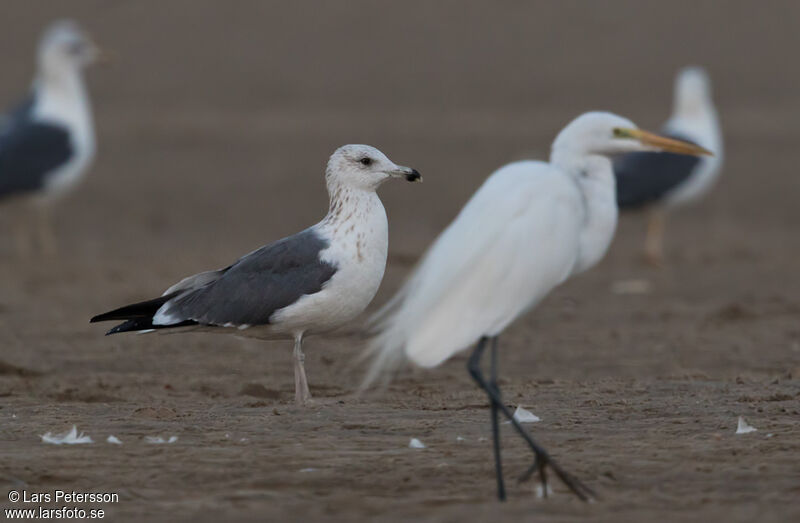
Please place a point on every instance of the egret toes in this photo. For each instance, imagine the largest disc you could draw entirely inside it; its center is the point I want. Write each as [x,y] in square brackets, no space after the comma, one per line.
[542,458]
[571,482]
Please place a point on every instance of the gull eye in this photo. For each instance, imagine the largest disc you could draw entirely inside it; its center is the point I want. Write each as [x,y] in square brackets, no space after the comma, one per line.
[365,161]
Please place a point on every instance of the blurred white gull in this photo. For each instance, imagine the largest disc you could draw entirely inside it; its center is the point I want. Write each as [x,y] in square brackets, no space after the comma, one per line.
[313,281]
[661,181]
[47,142]
[528,228]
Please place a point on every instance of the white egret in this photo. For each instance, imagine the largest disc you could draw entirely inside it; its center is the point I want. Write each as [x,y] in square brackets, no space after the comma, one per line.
[311,282]
[661,181]
[528,228]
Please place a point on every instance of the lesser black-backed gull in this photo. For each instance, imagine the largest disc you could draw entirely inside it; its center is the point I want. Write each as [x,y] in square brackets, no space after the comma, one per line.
[313,281]
[47,142]
[660,181]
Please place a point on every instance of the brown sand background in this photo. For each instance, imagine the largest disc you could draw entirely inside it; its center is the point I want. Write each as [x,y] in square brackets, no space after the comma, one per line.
[214,127]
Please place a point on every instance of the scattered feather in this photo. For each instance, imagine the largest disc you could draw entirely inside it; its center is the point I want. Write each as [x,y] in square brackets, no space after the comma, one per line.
[460,438]
[68,438]
[159,440]
[524,416]
[743,427]
[113,439]
[631,287]
[416,444]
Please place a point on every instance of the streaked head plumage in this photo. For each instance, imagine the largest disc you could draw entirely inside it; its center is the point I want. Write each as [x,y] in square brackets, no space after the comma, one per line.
[364,167]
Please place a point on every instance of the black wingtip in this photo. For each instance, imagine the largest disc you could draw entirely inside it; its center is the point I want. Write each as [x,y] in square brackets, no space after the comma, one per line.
[143,310]
[106,316]
[131,325]
[144,324]
[112,330]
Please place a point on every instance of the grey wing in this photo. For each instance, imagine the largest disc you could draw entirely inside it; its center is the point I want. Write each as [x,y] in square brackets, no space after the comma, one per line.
[252,289]
[643,178]
[16,116]
[30,151]
[195,282]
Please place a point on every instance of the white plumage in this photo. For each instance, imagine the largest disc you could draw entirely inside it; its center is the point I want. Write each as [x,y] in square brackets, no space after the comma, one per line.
[483,270]
[695,118]
[61,98]
[527,229]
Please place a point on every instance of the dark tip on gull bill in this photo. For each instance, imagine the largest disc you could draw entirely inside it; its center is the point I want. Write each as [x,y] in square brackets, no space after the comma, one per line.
[414,176]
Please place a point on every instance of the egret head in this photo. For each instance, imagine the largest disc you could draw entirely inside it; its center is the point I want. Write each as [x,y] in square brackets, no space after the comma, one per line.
[365,167]
[65,48]
[606,134]
[692,91]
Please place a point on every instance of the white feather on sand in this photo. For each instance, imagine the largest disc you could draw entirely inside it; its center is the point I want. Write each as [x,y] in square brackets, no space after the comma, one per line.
[416,444]
[157,440]
[524,416]
[743,427]
[68,438]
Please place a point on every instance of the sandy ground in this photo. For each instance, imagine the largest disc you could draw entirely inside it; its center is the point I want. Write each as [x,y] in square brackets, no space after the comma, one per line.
[214,127]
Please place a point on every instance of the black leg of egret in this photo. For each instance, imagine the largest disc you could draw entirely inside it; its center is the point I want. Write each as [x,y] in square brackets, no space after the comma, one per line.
[498,464]
[542,458]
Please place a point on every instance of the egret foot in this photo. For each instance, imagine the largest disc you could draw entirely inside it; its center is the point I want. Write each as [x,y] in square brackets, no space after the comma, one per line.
[540,464]
[543,459]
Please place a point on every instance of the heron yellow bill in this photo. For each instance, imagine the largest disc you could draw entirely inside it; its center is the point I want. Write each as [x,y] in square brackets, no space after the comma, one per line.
[670,145]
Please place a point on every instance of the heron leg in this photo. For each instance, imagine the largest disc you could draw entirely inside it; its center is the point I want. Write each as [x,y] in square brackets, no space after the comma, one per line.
[301,393]
[654,239]
[501,488]
[542,458]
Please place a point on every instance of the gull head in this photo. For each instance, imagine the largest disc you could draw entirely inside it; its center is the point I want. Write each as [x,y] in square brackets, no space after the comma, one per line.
[606,134]
[692,91]
[364,167]
[65,48]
